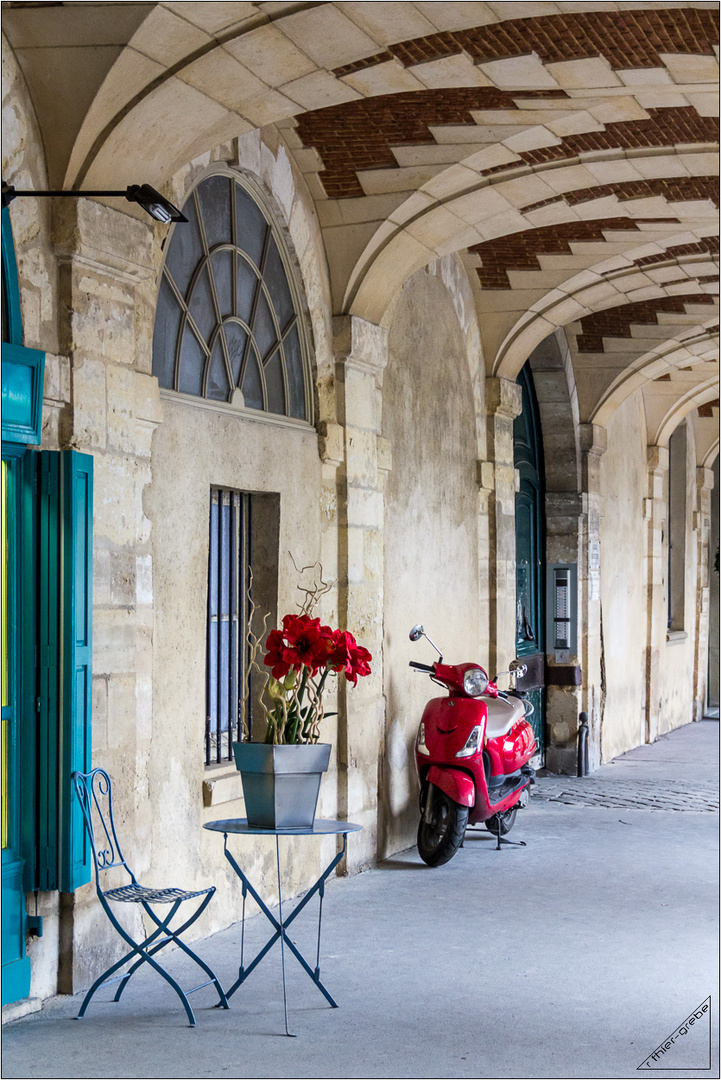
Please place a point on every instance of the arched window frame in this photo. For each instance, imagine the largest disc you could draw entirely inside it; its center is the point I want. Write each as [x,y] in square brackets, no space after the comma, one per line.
[278,231]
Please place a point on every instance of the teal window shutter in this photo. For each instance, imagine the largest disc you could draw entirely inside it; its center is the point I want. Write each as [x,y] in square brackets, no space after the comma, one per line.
[75,660]
[48,661]
[23,370]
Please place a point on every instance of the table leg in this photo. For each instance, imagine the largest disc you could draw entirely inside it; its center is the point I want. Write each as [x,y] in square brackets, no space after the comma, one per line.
[282,935]
[282,925]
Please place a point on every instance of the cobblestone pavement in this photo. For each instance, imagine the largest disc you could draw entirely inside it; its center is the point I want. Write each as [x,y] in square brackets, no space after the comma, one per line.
[638,794]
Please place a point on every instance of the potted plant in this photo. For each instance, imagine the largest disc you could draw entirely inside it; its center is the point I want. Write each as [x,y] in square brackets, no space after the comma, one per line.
[281,776]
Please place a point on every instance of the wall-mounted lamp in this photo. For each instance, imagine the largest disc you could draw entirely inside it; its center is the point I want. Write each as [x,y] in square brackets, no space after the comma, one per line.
[143,194]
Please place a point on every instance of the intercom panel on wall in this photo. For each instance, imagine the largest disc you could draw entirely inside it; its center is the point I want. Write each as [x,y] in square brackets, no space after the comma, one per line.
[562,609]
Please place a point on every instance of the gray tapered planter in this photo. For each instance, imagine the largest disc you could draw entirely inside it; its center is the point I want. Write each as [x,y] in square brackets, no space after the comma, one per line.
[281,783]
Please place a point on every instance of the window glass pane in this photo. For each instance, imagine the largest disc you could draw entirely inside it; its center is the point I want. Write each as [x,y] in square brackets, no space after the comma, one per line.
[274,384]
[221,263]
[250,224]
[225,287]
[218,389]
[223,675]
[165,335]
[294,371]
[247,283]
[213,674]
[224,561]
[263,328]
[213,559]
[192,364]
[214,195]
[277,284]
[252,386]
[186,249]
[235,337]
[201,305]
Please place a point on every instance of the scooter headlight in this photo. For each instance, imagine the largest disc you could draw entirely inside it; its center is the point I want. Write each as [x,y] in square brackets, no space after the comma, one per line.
[473,743]
[475,682]
[421,741]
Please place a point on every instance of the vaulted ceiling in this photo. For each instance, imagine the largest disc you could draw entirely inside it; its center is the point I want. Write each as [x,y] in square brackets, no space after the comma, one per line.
[567,151]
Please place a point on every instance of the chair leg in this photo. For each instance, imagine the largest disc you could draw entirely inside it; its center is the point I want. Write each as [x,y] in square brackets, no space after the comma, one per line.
[160,927]
[175,936]
[118,964]
[146,958]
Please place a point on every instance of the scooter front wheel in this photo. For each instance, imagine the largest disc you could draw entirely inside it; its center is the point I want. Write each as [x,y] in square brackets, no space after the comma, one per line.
[442,826]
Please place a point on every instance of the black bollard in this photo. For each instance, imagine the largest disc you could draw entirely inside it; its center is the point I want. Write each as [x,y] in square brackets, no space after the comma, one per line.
[582,769]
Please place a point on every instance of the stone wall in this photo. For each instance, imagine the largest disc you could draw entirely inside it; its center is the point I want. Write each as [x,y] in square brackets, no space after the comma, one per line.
[431,529]
[676,668]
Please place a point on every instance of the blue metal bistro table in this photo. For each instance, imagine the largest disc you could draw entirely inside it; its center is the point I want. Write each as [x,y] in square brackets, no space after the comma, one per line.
[239,826]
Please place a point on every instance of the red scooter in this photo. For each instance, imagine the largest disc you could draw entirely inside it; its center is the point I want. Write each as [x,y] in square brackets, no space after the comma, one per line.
[472,754]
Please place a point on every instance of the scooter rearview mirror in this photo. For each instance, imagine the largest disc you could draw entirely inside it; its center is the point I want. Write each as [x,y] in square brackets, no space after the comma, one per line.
[416,633]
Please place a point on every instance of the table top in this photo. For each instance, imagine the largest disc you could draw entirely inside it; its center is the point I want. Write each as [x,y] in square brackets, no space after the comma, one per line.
[320,828]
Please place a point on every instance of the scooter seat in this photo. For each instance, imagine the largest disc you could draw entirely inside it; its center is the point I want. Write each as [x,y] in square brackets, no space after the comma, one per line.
[503,713]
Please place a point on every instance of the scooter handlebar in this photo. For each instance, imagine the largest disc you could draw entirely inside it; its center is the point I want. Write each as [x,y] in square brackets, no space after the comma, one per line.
[422,667]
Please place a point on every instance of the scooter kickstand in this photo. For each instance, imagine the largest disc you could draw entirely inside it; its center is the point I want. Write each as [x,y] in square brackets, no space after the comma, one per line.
[502,840]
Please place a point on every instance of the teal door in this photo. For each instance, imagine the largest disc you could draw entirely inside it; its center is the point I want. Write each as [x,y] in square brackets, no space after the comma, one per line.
[15,963]
[530,554]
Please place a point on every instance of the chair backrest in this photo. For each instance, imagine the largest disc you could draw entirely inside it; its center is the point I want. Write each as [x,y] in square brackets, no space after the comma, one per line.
[95,794]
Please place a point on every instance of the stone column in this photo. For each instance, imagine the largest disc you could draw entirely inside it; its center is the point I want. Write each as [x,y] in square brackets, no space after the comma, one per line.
[593,444]
[107,294]
[503,405]
[565,528]
[655,512]
[361,352]
[702,528]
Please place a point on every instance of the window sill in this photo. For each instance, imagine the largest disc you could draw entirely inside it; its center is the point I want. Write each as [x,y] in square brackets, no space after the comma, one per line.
[221,785]
[676,637]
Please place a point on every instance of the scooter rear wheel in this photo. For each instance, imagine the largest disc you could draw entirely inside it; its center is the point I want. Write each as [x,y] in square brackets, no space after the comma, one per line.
[504,821]
[440,837]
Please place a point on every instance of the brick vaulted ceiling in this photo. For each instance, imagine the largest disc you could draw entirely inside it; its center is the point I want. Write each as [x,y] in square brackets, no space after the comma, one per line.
[568,153]
[627,39]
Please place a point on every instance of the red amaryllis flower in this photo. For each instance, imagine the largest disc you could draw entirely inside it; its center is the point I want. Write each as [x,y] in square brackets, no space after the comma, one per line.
[349,657]
[273,658]
[307,643]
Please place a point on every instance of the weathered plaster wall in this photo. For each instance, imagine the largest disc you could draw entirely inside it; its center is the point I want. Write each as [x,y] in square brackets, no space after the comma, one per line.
[623,594]
[431,527]
[193,449]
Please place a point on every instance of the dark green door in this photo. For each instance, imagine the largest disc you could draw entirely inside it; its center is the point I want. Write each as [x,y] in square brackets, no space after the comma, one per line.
[530,555]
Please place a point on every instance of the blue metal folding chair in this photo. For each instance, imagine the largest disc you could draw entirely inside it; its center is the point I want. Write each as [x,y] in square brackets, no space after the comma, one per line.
[95,792]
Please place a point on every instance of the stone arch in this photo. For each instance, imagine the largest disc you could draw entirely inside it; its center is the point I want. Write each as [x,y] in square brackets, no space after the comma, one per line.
[561,436]
[580,297]
[700,395]
[555,386]
[673,354]
[450,212]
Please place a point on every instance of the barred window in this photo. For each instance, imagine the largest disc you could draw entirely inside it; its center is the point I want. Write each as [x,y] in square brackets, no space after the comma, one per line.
[228,325]
[242,566]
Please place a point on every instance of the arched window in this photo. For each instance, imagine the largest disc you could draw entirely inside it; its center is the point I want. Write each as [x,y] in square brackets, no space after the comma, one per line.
[228,325]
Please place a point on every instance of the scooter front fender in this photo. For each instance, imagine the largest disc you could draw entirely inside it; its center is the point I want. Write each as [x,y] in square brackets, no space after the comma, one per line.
[455,783]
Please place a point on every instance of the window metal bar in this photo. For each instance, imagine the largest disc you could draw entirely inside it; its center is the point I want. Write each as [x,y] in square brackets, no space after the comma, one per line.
[209,660]
[218,688]
[246,607]
[233,628]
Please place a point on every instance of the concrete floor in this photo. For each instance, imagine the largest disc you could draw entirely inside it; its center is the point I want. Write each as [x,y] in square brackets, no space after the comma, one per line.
[576,956]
